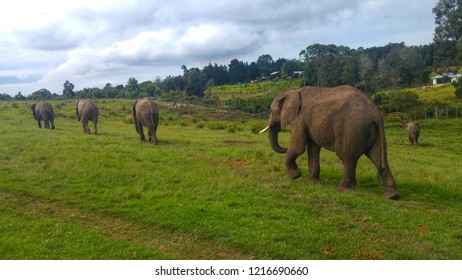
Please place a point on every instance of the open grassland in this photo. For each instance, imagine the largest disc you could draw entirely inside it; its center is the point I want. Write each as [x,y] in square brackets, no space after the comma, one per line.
[212,189]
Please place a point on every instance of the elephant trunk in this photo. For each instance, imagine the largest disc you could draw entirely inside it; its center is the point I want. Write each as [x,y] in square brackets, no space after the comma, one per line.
[273,138]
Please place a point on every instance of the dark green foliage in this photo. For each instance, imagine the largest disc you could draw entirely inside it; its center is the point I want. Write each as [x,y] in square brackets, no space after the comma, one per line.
[68,91]
[368,69]
[254,105]
[458,89]
[448,32]
[402,101]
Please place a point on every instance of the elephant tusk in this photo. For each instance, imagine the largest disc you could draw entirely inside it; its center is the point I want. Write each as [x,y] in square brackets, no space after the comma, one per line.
[264,129]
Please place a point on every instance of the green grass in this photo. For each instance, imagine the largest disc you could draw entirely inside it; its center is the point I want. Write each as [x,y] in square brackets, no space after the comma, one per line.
[207,193]
[245,90]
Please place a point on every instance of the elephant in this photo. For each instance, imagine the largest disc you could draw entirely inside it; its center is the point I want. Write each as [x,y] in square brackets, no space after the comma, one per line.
[146,113]
[413,131]
[341,119]
[43,111]
[86,110]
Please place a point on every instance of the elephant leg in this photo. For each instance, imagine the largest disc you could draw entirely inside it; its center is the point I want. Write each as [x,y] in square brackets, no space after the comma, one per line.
[46,123]
[95,126]
[140,129]
[313,161]
[152,137]
[39,124]
[387,179]
[52,124]
[296,148]
[349,175]
[86,129]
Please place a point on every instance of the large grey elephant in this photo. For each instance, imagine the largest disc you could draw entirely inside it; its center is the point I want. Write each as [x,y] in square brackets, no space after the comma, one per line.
[413,131]
[43,111]
[87,110]
[340,119]
[146,113]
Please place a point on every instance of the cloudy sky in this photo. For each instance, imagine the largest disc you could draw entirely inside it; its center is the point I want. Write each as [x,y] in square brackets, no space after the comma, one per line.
[94,42]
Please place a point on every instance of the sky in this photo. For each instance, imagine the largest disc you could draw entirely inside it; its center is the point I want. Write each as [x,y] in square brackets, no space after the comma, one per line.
[94,42]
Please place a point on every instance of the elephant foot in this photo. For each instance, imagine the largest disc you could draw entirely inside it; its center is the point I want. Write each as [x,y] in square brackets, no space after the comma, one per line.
[314,181]
[294,173]
[153,140]
[391,194]
[345,187]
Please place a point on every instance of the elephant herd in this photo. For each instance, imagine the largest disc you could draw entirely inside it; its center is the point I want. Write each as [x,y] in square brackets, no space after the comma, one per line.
[340,119]
[145,113]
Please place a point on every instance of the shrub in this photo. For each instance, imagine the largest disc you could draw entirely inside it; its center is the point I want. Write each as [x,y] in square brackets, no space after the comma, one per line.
[458,89]
[128,119]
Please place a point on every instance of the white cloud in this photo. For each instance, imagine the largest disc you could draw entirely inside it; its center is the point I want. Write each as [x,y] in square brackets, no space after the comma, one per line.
[89,42]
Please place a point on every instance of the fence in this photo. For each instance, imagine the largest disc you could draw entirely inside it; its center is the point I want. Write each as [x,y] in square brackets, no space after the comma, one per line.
[429,112]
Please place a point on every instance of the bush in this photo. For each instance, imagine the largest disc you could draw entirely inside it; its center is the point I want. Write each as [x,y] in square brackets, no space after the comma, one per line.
[458,89]
[128,119]
[216,126]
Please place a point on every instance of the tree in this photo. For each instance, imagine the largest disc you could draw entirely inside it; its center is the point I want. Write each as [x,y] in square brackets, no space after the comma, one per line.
[448,32]
[288,67]
[350,71]
[195,85]
[5,96]
[110,91]
[132,87]
[42,94]
[253,72]
[217,73]
[68,91]
[237,71]
[324,63]
[265,64]
[19,96]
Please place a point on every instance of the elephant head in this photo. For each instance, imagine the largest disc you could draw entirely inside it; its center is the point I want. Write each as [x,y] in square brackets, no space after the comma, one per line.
[284,109]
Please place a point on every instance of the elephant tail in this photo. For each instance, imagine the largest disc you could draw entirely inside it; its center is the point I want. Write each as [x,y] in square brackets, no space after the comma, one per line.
[77,109]
[134,116]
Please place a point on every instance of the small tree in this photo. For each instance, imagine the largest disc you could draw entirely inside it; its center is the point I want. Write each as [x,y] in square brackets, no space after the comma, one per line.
[68,91]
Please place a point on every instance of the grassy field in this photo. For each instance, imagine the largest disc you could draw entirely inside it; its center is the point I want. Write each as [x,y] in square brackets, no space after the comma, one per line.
[213,189]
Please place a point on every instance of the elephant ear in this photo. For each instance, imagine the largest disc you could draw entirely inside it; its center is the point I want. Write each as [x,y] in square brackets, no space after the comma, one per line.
[77,109]
[289,104]
[32,107]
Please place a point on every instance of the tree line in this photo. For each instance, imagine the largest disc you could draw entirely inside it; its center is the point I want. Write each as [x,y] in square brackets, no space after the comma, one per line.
[369,69]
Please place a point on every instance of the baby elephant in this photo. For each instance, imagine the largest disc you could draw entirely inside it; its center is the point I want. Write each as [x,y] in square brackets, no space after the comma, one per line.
[87,110]
[413,131]
[43,111]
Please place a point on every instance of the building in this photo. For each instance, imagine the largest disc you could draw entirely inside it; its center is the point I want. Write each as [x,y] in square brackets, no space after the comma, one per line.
[446,78]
